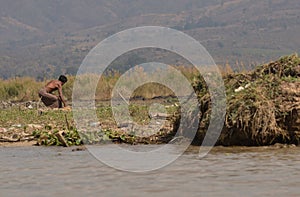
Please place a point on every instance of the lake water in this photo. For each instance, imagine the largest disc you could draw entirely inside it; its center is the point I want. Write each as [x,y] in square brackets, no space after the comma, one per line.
[236,171]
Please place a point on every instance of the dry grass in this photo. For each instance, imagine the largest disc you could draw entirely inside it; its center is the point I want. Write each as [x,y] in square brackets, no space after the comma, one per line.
[26,88]
[19,89]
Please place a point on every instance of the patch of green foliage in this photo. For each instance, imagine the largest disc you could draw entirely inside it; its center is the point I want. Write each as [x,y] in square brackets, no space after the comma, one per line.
[49,138]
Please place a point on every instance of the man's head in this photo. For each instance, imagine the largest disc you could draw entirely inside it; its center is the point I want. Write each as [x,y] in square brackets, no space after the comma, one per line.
[63,79]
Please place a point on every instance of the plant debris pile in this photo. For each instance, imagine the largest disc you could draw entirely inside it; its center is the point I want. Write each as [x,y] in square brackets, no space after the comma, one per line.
[263,106]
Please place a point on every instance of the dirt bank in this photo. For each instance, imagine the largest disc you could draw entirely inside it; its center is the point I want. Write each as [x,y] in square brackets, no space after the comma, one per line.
[263,106]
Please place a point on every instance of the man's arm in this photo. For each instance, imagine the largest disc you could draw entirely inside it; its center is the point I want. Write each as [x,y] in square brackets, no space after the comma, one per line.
[61,97]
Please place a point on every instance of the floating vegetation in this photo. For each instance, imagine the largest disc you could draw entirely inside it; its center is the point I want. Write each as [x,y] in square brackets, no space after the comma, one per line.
[57,138]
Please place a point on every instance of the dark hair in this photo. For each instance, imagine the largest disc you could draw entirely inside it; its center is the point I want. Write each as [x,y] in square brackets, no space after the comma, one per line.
[63,78]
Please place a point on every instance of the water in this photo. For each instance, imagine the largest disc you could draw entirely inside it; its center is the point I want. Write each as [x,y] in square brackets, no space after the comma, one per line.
[44,171]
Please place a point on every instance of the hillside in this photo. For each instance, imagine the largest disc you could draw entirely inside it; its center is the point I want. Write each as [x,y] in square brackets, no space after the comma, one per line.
[46,38]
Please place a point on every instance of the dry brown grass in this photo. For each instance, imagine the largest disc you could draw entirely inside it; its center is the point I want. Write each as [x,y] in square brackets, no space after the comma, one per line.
[26,88]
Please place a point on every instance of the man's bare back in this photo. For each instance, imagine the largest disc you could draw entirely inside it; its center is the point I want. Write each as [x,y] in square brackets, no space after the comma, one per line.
[53,85]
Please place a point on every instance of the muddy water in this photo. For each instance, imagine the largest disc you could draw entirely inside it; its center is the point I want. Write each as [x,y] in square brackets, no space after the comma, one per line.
[40,171]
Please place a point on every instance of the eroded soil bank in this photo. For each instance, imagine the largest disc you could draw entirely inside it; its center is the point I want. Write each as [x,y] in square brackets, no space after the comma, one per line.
[263,106]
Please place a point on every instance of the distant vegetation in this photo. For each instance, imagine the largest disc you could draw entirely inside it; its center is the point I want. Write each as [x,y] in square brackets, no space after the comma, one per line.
[22,89]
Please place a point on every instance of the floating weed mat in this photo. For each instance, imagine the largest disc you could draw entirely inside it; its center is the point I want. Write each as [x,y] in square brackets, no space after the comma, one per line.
[57,138]
[263,106]
[71,137]
[129,136]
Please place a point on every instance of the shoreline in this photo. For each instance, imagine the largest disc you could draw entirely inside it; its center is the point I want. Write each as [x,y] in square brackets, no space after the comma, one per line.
[262,109]
[17,144]
[83,146]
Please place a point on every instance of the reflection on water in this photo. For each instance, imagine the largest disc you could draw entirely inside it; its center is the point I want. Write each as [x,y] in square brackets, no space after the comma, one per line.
[41,171]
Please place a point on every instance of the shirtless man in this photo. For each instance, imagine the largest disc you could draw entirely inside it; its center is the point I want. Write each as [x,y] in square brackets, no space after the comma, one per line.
[51,100]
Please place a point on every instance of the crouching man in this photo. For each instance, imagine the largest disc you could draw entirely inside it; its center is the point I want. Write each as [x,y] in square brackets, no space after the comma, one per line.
[51,100]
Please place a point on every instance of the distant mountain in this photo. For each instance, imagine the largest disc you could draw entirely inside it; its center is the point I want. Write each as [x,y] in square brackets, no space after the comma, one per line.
[43,38]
